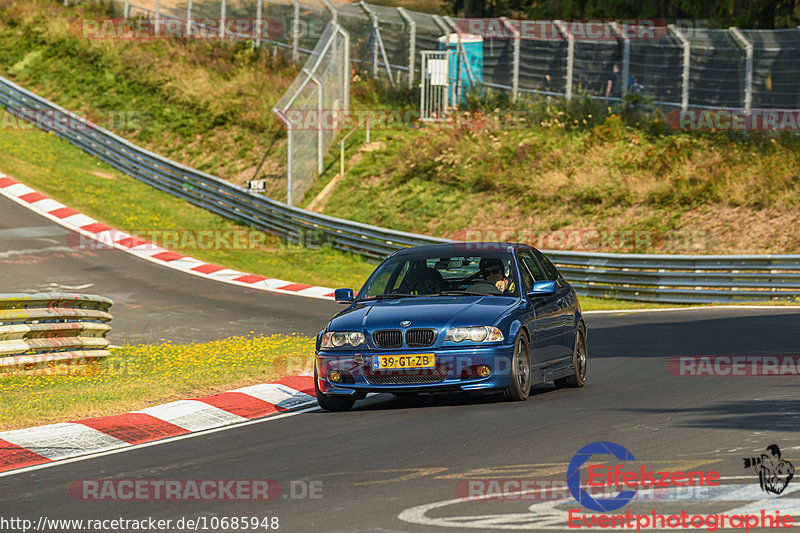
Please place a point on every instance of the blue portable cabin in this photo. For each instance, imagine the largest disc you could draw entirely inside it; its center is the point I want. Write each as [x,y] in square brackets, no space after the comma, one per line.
[473,50]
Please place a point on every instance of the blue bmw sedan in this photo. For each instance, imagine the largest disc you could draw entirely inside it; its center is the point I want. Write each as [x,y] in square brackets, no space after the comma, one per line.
[479,317]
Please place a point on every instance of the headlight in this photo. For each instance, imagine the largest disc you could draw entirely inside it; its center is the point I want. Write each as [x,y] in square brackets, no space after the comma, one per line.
[474,334]
[335,339]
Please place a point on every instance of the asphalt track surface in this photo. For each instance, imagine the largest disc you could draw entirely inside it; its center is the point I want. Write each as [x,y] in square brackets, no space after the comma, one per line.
[377,465]
[151,302]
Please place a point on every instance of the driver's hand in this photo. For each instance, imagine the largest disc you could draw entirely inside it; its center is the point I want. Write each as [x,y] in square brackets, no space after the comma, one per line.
[501,285]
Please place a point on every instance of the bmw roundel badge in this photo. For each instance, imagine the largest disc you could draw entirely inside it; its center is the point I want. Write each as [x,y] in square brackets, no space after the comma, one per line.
[405,323]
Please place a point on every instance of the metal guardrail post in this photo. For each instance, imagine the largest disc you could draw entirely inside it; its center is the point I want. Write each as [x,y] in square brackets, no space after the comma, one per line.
[412,44]
[687,65]
[748,74]
[570,56]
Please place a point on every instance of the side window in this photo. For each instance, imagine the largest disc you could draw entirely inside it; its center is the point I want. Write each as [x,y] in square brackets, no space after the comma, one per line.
[527,277]
[533,266]
[551,271]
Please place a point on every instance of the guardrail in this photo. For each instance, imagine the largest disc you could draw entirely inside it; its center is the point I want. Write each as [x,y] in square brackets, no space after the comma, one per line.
[663,278]
[293,224]
[682,278]
[52,329]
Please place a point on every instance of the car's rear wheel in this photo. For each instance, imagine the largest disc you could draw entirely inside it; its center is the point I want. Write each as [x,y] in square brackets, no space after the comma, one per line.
[520,387]
[580,358]
[332,403]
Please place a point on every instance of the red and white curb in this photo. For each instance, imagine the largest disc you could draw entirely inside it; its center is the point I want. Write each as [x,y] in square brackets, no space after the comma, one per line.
[34,446]
[110,237]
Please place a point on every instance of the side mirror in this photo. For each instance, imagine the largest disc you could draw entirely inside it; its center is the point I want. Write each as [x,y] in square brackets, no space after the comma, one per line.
[542,288]
[343,296]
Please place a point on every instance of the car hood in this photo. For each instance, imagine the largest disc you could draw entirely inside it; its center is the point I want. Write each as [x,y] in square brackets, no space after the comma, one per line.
[434,312]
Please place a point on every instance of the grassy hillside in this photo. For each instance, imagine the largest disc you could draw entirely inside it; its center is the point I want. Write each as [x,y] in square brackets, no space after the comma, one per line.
[571,178]
[677,192]
[197,102]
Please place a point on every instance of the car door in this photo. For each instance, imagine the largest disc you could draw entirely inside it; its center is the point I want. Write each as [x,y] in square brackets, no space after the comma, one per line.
[547,330]
[567,304]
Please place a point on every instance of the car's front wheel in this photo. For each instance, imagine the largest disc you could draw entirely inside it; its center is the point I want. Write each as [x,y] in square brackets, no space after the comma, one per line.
[520,387]
[332,403]
[580,359]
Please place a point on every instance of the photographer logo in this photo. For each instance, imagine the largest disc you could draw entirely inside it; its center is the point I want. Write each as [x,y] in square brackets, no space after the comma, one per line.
[774,473]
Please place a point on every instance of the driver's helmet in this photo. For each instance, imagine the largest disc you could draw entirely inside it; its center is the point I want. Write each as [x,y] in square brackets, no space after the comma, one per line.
[489,262]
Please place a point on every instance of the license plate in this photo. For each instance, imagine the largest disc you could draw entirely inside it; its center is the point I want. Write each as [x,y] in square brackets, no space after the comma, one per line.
[389,362]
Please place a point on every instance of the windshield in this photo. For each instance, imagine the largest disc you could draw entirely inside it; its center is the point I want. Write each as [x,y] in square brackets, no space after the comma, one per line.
[489,273]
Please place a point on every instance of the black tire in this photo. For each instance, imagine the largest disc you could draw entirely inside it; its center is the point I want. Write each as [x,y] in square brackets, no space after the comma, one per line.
[520,387]
[332,403]
[580,359]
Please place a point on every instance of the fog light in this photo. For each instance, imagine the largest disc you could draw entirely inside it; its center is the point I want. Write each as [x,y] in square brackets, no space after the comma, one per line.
[335,377]
[484,371]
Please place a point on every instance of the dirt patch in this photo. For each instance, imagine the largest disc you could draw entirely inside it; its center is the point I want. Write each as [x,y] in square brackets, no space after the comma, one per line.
[104,175]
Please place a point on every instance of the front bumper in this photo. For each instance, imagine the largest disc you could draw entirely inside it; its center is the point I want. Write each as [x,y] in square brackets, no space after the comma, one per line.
[455,370]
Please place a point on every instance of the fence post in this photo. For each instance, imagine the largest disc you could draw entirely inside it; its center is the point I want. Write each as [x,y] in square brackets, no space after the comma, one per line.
[332,9]
[377,44]
[126,11]
[570,56]
[289,165]
[158,18]
[259,21]
[748,73]
[296,31]
[515,63]
[345,66]
[619,33]
[320,134]
[412,44]
[189,21]
[222,9]
[687,64]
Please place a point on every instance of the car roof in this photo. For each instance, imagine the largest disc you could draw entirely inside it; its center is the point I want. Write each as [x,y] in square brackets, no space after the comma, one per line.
[460,248]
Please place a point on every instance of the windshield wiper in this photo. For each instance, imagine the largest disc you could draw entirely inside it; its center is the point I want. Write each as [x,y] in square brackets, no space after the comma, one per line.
[461,293]
[391,296]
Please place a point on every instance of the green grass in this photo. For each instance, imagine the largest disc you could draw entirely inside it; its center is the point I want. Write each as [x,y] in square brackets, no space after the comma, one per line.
[60,170]
[136,377]
[209,106]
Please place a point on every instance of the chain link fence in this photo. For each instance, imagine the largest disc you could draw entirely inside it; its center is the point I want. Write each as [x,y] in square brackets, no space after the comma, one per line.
[312,107]
[682,66]
[679,66]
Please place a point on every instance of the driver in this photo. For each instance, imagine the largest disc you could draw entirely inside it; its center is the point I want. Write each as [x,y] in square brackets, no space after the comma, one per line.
[493,271]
